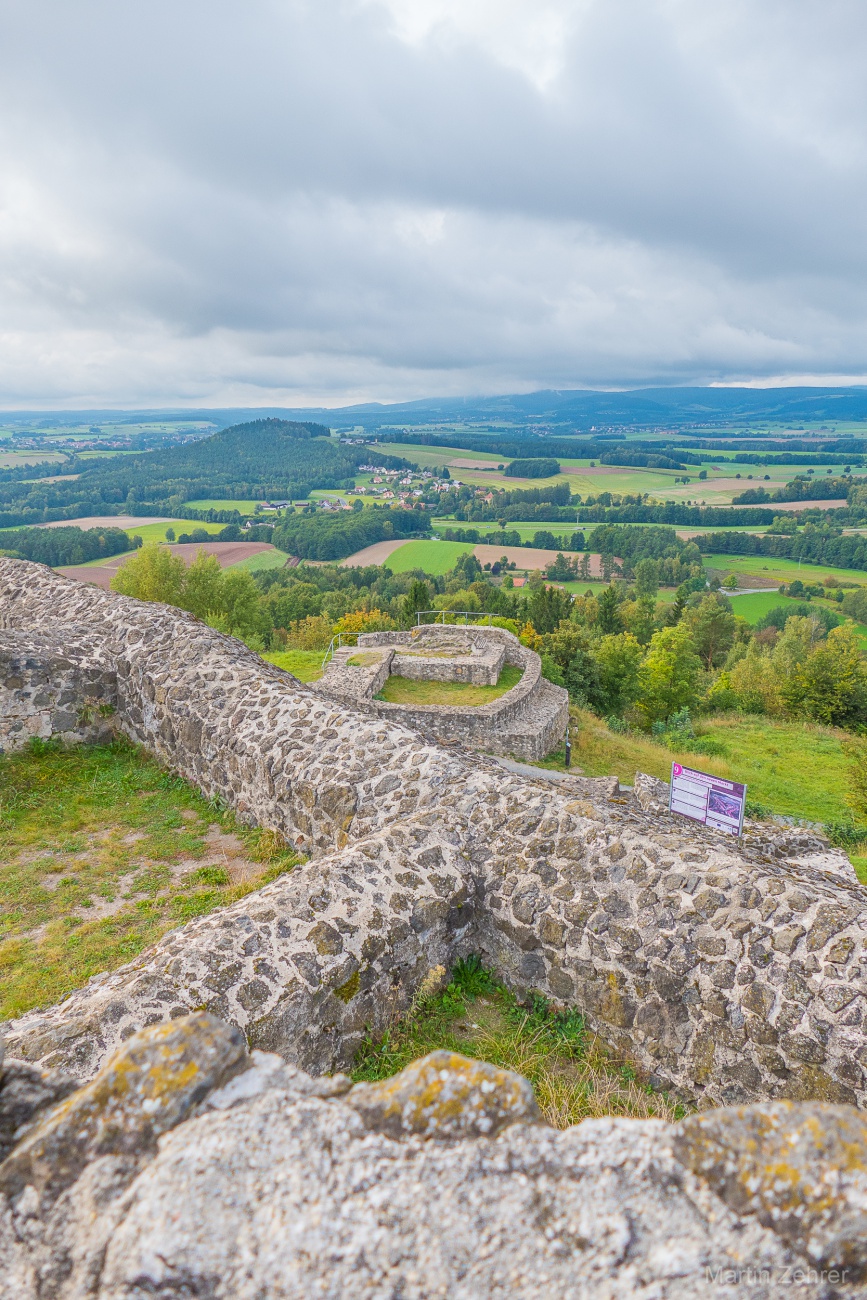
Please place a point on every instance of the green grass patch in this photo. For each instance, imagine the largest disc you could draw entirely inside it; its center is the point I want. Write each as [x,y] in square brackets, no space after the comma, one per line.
[157,532]
[264,560]
[99,847]
[432,557]
[572,1074]
[306,665]
[795,769]
[778,570]
[754,606]
[405,690]
[94,564]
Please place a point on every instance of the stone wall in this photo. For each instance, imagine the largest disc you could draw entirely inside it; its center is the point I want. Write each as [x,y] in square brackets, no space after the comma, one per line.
[725,971]
[357,682]
[52,686]
[528,722]
[472,662]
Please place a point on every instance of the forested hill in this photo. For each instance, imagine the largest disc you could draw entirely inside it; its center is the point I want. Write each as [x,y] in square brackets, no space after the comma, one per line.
[262,459]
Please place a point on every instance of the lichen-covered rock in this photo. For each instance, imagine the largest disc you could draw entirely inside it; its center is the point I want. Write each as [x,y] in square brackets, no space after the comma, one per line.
[25,1092]
[801,1169]
[277,1186]
[148,1086]
[445,1095]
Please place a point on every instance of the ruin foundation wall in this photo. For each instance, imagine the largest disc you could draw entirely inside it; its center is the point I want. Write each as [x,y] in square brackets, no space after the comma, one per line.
[725,971]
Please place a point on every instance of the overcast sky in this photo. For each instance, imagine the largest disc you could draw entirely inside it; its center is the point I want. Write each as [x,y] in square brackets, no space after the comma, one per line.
[281,201]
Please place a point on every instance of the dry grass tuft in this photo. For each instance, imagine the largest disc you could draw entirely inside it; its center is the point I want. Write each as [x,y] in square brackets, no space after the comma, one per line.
[573,1075]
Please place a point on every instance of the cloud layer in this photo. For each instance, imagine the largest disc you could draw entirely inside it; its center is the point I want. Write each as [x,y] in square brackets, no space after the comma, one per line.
[333,200]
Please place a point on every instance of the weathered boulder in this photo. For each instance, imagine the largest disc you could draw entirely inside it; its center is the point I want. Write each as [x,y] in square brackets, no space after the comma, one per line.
[445,1095]
[274,1185]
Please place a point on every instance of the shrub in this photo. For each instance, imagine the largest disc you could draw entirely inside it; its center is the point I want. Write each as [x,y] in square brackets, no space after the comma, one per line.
[537,467]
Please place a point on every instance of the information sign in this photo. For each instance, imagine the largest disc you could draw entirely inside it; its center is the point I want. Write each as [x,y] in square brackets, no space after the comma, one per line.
[708,799]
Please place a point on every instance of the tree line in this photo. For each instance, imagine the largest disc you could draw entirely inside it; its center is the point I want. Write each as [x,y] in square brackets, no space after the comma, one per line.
[629,657]
[334,536]
[62,546]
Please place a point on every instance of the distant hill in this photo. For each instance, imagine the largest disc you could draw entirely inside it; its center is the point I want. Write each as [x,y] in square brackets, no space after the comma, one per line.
[582,408]
[261,459]
[642,408]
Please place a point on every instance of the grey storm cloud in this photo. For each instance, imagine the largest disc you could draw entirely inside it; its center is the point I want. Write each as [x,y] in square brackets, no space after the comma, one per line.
[276,200]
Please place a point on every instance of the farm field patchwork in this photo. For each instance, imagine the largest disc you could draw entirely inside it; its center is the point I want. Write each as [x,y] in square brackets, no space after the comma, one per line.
[228,554]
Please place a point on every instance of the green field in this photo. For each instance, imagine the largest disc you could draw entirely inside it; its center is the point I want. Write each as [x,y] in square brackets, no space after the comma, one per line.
[92,564]
[526,531]
[157,532]
[754,606]
[264,560]
[432,557]
[16,459]
[779,570]
[244,507]
[431,457]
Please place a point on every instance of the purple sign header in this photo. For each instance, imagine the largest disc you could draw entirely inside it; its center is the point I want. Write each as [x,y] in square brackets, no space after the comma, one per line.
[707,799]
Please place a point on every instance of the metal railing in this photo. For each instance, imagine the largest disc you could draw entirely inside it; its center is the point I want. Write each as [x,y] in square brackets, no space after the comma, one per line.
[329,653]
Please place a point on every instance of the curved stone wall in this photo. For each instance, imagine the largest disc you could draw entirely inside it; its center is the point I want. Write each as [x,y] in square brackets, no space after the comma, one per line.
[727,972]
[528,722]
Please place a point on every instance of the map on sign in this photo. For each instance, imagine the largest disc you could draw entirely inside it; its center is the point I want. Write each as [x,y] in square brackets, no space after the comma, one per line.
[708,799]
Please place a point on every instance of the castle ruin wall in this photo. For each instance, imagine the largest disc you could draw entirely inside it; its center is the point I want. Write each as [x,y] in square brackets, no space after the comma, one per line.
[726,971]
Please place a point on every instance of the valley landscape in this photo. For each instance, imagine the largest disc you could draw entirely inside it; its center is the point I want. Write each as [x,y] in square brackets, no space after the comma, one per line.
[433,651]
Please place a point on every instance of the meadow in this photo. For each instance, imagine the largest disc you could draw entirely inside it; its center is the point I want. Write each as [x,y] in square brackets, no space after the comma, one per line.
[264,560]
[157,532]
[432,557]
[778,570]
[102,851]
[792,768]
